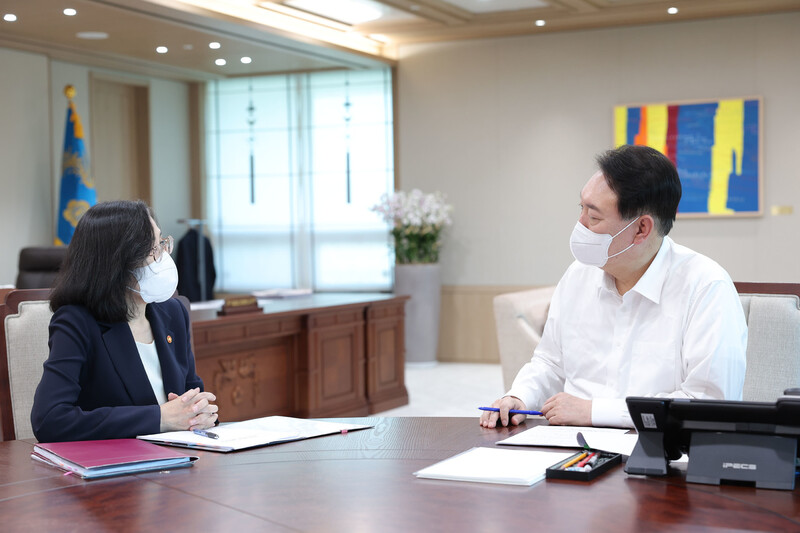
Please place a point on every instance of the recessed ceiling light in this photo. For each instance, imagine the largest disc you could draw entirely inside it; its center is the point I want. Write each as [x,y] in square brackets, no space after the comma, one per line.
[214,45]
[70,12]
[10,17]
[246,60]
[540,22]
[162,49]
[92,35]
[220,62]
[672,10]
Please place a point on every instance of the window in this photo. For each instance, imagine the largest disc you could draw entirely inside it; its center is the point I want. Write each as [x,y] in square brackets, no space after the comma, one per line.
[294,164]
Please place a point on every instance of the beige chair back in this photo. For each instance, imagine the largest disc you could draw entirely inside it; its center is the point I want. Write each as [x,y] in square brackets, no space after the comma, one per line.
[519,320]
[773,345]
[26,346]
[26,316]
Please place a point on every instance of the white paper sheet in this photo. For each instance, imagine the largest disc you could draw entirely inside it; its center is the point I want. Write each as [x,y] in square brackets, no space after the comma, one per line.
[494,465]
[251,433]
[612,442]
[560,436]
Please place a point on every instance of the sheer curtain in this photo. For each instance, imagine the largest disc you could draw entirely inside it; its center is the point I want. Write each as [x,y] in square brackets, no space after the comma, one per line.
[294,164]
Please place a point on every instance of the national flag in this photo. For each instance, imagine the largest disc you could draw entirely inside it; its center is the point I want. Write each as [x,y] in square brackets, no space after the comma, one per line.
[77,188]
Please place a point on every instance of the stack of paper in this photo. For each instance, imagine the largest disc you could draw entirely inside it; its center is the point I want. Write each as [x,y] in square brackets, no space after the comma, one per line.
[251,433]
[494,465]
[103,458]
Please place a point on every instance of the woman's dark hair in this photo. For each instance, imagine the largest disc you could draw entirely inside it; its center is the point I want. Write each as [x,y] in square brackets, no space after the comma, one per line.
[645,182]
[111,240]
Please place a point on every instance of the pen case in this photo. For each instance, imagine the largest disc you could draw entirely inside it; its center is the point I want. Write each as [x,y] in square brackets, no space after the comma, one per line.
[604,463]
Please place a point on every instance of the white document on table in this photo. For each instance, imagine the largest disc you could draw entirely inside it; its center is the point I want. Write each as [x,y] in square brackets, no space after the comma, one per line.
[494,465]
[613,440]
[250,433]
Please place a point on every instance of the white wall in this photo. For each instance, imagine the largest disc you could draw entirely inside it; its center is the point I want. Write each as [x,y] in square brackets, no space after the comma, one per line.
[169,154]
[32,123]
[25,210]
[508,129]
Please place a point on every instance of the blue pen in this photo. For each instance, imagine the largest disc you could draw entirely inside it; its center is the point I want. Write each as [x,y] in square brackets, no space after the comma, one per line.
[204,433]
[512,411]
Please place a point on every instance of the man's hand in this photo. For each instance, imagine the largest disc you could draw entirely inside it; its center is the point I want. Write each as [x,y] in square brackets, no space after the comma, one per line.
[489,418]
[191,410]
[566,410]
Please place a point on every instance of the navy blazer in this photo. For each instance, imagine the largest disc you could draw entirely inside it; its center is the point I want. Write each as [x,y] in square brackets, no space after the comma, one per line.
[94,385]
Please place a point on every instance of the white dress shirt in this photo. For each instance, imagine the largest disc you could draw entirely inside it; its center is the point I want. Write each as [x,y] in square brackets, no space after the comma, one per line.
[679,332]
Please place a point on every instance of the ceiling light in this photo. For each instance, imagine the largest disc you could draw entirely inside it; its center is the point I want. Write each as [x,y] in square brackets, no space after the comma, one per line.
[379,37]
[348,11]
[246,60]
[187,46]
[162,49]
[303,15]
[259,13]
[540,22]
[672,10]
[70,12]
[92,35]
[220,62]
[214,45]
[9,17]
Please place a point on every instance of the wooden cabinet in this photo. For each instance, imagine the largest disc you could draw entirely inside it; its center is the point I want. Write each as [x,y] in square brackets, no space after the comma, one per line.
[325,355]
[385,357]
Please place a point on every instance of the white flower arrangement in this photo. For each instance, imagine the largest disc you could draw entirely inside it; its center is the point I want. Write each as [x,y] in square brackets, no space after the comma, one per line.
[417,222]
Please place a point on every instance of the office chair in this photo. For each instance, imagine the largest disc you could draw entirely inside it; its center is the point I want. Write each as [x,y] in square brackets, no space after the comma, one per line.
[39,265]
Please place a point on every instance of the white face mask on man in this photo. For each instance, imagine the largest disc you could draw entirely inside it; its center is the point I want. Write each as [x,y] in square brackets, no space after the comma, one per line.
[158,280]
[591,248]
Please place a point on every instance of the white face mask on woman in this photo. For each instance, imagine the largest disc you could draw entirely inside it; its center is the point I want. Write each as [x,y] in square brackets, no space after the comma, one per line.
[158,280]
[591,248]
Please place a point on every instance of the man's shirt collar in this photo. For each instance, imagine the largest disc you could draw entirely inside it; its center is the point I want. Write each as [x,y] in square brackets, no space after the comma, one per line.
[652,281]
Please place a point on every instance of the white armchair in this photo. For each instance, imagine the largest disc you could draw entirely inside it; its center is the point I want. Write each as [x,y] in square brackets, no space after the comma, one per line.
[520,318]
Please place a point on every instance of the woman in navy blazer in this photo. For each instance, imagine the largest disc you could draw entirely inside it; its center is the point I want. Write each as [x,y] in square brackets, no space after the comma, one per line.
[111,306]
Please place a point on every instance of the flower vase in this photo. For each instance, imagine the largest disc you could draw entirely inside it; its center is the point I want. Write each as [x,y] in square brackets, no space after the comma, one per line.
[422,282]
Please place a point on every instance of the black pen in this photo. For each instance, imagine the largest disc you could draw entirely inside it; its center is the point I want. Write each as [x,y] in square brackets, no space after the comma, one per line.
[204,433]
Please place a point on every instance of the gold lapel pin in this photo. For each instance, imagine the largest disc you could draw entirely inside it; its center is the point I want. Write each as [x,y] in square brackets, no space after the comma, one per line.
[169,339]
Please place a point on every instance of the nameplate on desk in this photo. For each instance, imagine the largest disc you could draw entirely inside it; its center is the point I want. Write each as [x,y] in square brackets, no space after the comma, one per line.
[238,305]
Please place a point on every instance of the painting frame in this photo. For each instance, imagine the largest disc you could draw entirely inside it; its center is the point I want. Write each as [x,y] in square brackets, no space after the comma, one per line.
[716,144]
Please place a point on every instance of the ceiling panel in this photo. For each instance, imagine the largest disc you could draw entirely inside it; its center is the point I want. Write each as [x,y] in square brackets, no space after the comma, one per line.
[185,27]
[134,34]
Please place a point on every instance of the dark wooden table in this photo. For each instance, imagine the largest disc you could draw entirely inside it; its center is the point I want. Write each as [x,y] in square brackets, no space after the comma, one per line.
[363,482]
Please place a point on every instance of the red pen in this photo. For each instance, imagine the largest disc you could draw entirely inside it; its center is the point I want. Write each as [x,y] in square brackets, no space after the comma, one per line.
[583,462]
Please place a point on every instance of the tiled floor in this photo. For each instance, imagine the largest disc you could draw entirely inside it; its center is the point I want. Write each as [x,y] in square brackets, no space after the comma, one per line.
[449,389]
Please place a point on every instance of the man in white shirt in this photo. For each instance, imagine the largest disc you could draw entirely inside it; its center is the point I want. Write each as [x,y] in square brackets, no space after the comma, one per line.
[636,314]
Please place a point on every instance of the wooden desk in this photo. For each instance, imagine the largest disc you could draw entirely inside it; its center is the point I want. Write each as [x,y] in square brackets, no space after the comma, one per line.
[363,481]
[323,355]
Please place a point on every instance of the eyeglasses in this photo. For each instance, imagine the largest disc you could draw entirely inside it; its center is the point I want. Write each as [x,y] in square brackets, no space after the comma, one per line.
[164,245]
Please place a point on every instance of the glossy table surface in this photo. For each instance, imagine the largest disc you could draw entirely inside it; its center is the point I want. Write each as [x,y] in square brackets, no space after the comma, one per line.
[363,481]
